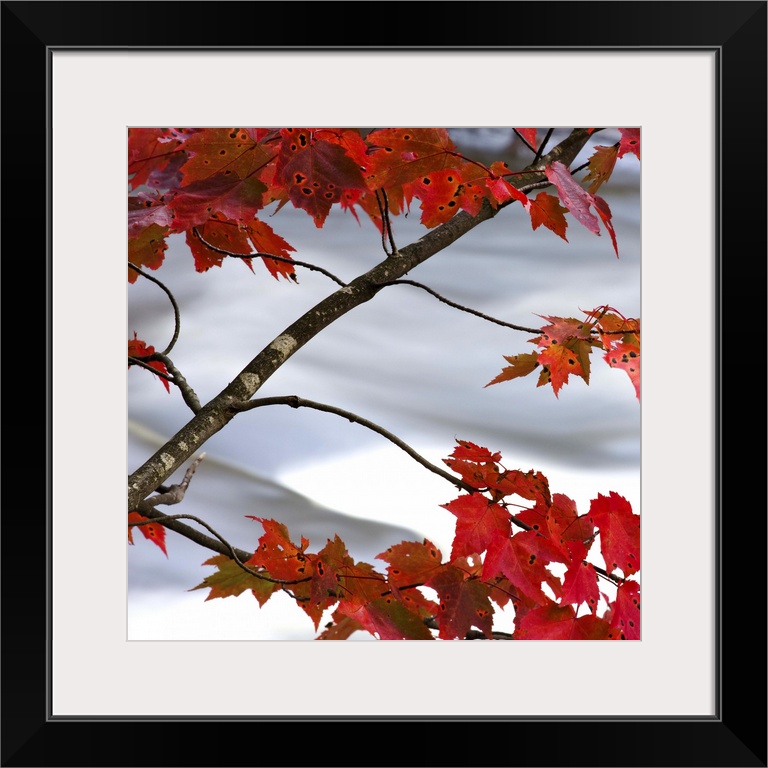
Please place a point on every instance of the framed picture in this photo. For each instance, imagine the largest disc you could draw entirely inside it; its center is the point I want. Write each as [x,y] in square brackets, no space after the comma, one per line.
[693,78]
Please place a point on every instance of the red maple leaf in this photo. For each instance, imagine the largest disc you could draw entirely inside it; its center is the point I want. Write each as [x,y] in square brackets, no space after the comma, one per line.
[411,562]
[315,172]
[580,585]
[440,195]
[328,567]
[473,452]
[517,558]
[238,199]
[229,151]
[578,201]
[386,618]
[561,524]
[139,348]
[478,520]
[546,209]
[573,196]
[265,240]
[147,250]
[627,358]
[220,232]
[463,603]
[630,141]
[624,613]
[152,531]
[150,150]
[555,622]
[619,532]
[529,134]
[387,613]
[561,361]
[145,209]
[398,156]
[279,555]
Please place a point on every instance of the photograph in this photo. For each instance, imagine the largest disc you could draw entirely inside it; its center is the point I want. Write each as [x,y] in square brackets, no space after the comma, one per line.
[463,300]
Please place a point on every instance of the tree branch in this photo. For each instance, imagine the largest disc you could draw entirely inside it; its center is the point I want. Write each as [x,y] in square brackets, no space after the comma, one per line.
[218,412]
[300,402]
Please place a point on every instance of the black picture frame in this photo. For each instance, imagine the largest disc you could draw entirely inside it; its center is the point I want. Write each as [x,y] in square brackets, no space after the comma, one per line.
[736,735]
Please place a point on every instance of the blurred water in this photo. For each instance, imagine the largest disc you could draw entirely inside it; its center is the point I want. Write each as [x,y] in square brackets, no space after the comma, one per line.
[405,361]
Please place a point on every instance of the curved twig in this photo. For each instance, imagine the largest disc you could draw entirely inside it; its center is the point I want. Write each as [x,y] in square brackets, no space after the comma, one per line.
[299,402]
[259,254]
[463,308]
[176,314]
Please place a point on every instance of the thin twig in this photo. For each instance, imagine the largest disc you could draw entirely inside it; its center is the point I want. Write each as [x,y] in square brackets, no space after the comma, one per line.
[140,362]
[259,254]
[299,402]
[232,552]
[524,140]
[463,308]
[543,144]
[176,315]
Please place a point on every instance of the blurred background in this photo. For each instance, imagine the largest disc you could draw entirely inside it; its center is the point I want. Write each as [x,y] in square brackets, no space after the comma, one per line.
[405,361]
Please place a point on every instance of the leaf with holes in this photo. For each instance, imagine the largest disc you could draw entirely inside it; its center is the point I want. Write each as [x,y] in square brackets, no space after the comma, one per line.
[315,172]
[152,531]
[145,209]
[411,562]
[219,232]
[147,251]
[626,357]
[562,361]
[401,155]
[440,196]
[517,558]
[463,603]
[278,555]
[238,199]
[329,566]
[619,532]
[386,618]
[478,520]
[232,152]
[630,142]
[150,150]
[624,612]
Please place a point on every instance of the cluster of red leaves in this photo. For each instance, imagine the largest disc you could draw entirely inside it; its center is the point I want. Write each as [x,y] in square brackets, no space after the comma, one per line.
[216,181]
[211,184]
[498,559]
[566,344]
